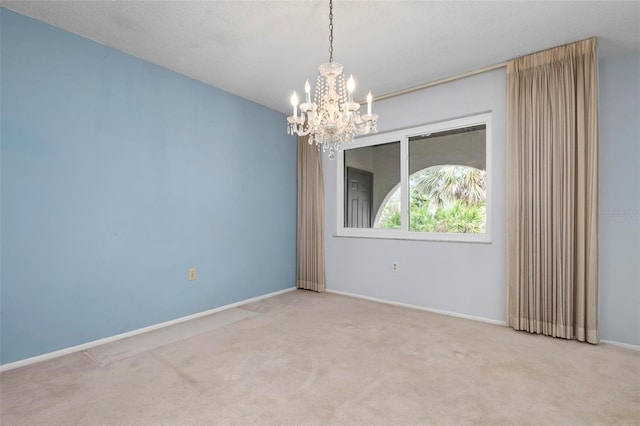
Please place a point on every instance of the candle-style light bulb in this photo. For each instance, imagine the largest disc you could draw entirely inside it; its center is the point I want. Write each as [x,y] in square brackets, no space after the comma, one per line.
[294,102]
[307,90]
[369,99]
[350,86]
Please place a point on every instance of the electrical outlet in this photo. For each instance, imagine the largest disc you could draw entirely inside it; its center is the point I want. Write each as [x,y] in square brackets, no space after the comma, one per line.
[192,274]
[395,266]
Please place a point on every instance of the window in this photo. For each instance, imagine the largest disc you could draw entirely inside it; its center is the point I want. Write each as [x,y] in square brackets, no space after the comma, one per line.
[429,182]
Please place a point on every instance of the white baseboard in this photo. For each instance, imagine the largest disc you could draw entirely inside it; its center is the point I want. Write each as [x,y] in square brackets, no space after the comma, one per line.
[621,345]
[455,314]
[421,308]
[88,345]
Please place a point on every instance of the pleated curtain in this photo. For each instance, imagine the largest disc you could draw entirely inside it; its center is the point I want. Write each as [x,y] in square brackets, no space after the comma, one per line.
[552,192]
[310,244]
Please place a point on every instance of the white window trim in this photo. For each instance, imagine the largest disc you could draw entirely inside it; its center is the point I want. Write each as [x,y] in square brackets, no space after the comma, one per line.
[403,136]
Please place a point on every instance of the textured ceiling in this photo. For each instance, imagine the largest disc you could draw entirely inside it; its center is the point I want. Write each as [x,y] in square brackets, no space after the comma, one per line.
[263,50]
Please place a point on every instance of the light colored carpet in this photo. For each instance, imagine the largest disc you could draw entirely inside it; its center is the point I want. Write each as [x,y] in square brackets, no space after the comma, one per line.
[309,358]
[125,348]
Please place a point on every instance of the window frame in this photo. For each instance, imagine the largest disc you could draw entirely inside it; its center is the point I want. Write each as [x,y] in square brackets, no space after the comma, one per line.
[402,136]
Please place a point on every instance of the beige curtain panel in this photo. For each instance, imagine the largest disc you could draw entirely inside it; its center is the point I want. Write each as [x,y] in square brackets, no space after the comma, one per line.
[552,192]
[310,270]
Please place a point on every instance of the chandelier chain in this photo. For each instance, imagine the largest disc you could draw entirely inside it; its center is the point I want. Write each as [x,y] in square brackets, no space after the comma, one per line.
[330,30]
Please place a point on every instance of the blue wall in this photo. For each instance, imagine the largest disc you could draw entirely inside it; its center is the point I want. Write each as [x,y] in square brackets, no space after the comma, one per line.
[119,175]
[619,278]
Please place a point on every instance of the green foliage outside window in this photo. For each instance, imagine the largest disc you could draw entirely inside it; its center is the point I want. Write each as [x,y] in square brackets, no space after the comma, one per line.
[447,199]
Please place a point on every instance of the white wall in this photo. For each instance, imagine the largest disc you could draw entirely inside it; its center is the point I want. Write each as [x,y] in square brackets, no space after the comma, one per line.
[619,267]
[465,278]
[469,279]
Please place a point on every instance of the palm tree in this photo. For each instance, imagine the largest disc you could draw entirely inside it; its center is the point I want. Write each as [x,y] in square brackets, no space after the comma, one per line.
[444,198]
[448,198]
[445,184]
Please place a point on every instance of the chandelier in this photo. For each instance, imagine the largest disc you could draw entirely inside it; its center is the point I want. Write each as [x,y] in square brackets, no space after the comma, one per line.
[332,119]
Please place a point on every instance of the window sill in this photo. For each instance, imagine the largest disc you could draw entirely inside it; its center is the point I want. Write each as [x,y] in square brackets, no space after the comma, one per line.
[414,236]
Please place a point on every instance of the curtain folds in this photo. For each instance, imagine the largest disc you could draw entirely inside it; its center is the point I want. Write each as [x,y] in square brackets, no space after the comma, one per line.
[552,192]
[310,252]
